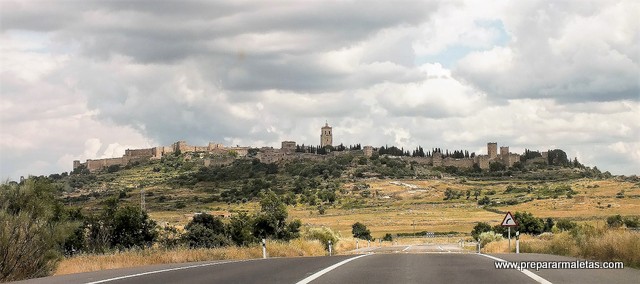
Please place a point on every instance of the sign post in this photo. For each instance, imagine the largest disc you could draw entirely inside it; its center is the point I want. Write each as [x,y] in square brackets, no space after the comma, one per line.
[509,222]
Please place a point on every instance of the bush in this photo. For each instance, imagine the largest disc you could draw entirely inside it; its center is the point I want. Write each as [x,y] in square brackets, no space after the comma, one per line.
[33,229]
[488,237]
[632,222]
[205,231]
[614,221]
[360,231]
[324,235]
[132,227]
[387,238]
[480,228]
[528,224]
[566,225]
[484,201]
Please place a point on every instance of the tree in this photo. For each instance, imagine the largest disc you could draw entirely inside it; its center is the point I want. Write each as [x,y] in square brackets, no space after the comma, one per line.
[33,228]
[270,222]
[360,231]
[528,224]
[205,231]
[131,227]
[548,225]
[480,228]
[240,229]
[496,167]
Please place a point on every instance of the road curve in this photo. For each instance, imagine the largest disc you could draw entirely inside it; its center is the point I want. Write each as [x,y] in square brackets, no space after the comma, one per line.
[392,266]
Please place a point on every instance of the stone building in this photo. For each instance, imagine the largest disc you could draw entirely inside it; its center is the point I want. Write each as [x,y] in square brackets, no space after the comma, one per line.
[288,146]
[368,151]
[326,138]
[492,150]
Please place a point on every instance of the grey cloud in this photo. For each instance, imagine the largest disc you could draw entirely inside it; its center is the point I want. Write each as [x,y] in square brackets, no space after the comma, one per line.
[569,57]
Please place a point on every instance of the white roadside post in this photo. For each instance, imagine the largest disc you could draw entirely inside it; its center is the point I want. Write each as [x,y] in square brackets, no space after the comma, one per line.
[517,241]
[329,247]
[478,245]
[509,228]
[264,248]
[368,243]
[356,243]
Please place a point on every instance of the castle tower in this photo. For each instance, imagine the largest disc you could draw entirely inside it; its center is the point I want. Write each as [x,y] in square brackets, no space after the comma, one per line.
[326,138]
[288,146]
[492,150]
[504,155]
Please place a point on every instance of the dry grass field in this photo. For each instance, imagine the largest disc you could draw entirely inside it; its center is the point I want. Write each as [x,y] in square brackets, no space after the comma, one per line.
[406,206]
[133,258]
[399,206]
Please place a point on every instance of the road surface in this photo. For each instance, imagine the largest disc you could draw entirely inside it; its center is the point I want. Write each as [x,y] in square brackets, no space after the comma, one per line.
[435,263]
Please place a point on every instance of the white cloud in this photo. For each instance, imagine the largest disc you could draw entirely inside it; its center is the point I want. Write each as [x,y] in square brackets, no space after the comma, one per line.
[92,80]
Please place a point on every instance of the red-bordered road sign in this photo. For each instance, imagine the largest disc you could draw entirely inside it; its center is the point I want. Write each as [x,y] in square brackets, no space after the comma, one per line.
[509,221]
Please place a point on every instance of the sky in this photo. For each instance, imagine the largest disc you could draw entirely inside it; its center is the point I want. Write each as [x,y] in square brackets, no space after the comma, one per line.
[88,79]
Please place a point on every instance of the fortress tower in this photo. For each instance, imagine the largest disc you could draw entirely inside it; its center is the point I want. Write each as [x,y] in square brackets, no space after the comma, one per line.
[492,149]
[326,138]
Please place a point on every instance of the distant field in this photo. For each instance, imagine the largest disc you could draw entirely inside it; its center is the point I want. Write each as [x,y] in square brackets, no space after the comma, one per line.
[396,205]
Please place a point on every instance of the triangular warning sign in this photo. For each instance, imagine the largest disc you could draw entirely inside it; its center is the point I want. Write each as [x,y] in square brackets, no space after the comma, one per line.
[509,221]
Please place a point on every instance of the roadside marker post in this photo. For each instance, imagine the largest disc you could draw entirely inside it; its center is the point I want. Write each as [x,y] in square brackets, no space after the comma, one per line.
[509,222]
[264,248]
[517,241]
[329,247]
[356,243]
[368,243]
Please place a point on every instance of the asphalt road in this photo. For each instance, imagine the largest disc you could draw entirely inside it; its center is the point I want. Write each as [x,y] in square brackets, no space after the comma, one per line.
[399,264]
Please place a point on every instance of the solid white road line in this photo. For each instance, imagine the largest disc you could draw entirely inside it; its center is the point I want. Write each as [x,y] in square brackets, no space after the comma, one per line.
[162,270]
[526,272]
[324,271]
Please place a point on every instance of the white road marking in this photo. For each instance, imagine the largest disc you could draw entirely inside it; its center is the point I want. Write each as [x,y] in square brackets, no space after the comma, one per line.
[160,271]
[324,271]
[440,248]
[526,272]
[405,249]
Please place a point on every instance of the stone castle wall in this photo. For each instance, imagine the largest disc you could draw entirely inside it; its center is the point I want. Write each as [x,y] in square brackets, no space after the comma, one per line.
[222,156]
[465,163]
[139,152]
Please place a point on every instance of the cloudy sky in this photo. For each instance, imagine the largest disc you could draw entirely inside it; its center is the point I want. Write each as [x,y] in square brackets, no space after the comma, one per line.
[89,79]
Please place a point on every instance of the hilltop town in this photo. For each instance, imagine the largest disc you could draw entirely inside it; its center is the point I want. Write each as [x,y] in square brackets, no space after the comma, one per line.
[218,154]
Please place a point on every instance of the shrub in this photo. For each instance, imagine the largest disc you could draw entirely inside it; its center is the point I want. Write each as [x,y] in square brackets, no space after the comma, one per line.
[488,237]
[324,235]
[131,227]
[632,222]
[566,225]
[360,231]
[205,231]
[480,228]
[33,228]
[614,221]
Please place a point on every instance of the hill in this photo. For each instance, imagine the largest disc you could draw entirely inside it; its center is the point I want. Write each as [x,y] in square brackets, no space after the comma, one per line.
[389,194]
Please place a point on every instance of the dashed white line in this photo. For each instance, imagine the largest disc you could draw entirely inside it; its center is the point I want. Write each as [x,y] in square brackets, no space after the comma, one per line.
[405,249]
[324,271]
[526,272]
